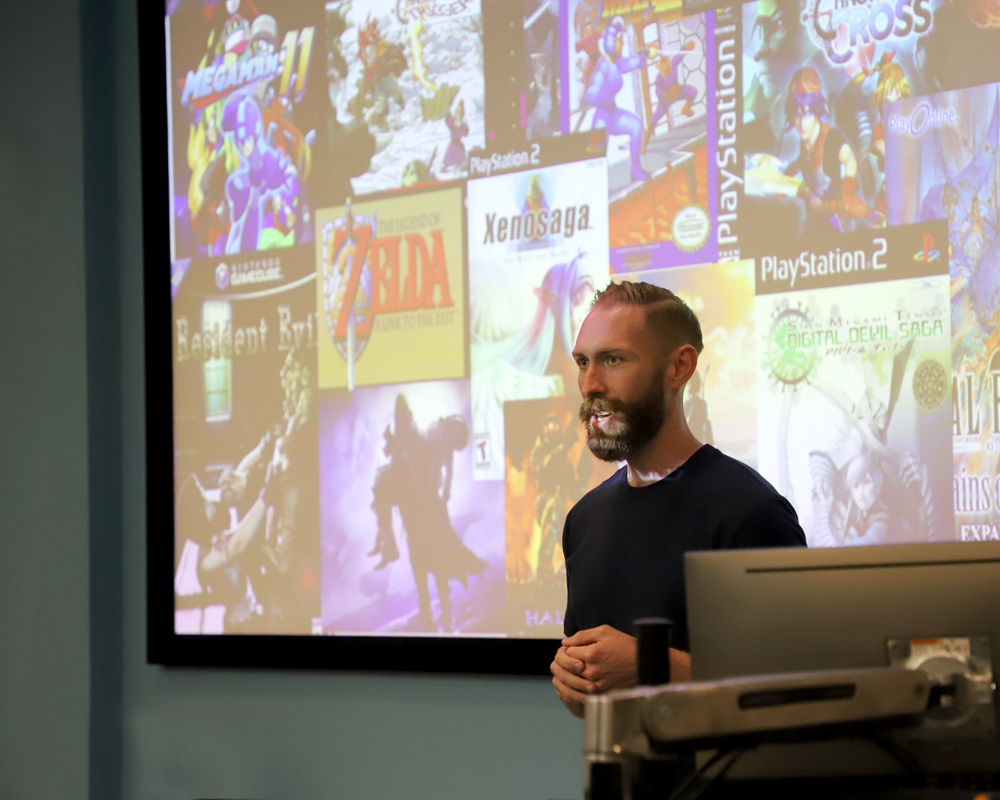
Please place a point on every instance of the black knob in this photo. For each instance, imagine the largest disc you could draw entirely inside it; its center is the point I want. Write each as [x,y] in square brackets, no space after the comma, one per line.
[652,636]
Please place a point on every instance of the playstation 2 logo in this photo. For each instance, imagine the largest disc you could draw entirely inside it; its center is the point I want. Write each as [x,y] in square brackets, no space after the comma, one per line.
[927,253]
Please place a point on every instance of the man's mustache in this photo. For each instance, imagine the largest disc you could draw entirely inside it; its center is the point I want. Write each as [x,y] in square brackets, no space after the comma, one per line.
[599,405]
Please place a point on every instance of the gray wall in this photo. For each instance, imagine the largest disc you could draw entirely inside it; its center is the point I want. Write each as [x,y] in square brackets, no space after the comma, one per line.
[44,670]
[157,733]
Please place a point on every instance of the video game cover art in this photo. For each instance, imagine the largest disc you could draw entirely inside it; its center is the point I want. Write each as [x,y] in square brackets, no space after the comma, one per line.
[538,244]
[410,73]
[244,106]
[247,551]
[391,290]
[974,27]
[720,400]
[548,468]
[542,105]
[943,165]
[411,543]
[642,73]
[877,363]
[817,76]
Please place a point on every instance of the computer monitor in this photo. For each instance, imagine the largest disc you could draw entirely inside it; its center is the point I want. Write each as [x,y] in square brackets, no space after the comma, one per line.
[758,612]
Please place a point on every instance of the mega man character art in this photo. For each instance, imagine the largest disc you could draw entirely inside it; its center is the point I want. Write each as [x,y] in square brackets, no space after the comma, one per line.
[605,83]
[266,182]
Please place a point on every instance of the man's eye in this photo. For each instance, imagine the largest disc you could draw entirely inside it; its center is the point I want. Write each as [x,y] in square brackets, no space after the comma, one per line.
[614,360]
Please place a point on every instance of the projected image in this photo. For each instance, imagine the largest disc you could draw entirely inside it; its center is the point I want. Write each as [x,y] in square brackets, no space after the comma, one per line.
[815,89]
[388,219]
[390,290]
[854,405]
[641,75]
[543,81]
[538,244]
[245,430]
[411,543]
[244,106]
[410,74]
[972,25]
[548,469]
[944,166]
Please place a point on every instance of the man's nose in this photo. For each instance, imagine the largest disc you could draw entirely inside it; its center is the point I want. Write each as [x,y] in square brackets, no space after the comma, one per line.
[591,382]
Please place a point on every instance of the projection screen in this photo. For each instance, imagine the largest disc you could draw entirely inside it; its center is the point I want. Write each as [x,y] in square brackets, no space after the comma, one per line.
[387,219]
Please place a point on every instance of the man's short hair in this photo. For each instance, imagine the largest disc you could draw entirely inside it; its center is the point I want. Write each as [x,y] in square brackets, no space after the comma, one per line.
[666,313]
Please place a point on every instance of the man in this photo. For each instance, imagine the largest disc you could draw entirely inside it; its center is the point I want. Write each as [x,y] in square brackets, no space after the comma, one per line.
[625,540]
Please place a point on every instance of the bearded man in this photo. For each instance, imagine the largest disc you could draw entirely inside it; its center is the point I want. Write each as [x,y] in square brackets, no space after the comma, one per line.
[625,540]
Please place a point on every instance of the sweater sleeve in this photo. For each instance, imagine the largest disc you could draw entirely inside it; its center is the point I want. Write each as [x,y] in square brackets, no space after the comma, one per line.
[570,625]
[772,524]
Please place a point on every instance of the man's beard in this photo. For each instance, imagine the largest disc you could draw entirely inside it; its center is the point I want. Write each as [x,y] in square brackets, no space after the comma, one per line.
[635,424]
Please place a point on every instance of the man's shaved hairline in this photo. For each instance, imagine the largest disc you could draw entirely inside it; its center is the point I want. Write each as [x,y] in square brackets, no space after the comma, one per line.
[659,320]
[664,313]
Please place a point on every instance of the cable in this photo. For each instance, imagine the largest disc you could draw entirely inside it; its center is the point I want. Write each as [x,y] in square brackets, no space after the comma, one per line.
[699,789]
[892,748]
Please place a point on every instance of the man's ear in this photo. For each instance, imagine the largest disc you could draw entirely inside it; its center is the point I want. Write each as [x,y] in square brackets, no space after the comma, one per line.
[683,363]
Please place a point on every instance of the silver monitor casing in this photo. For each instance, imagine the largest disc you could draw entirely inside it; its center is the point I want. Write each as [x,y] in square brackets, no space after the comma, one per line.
[760,612]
